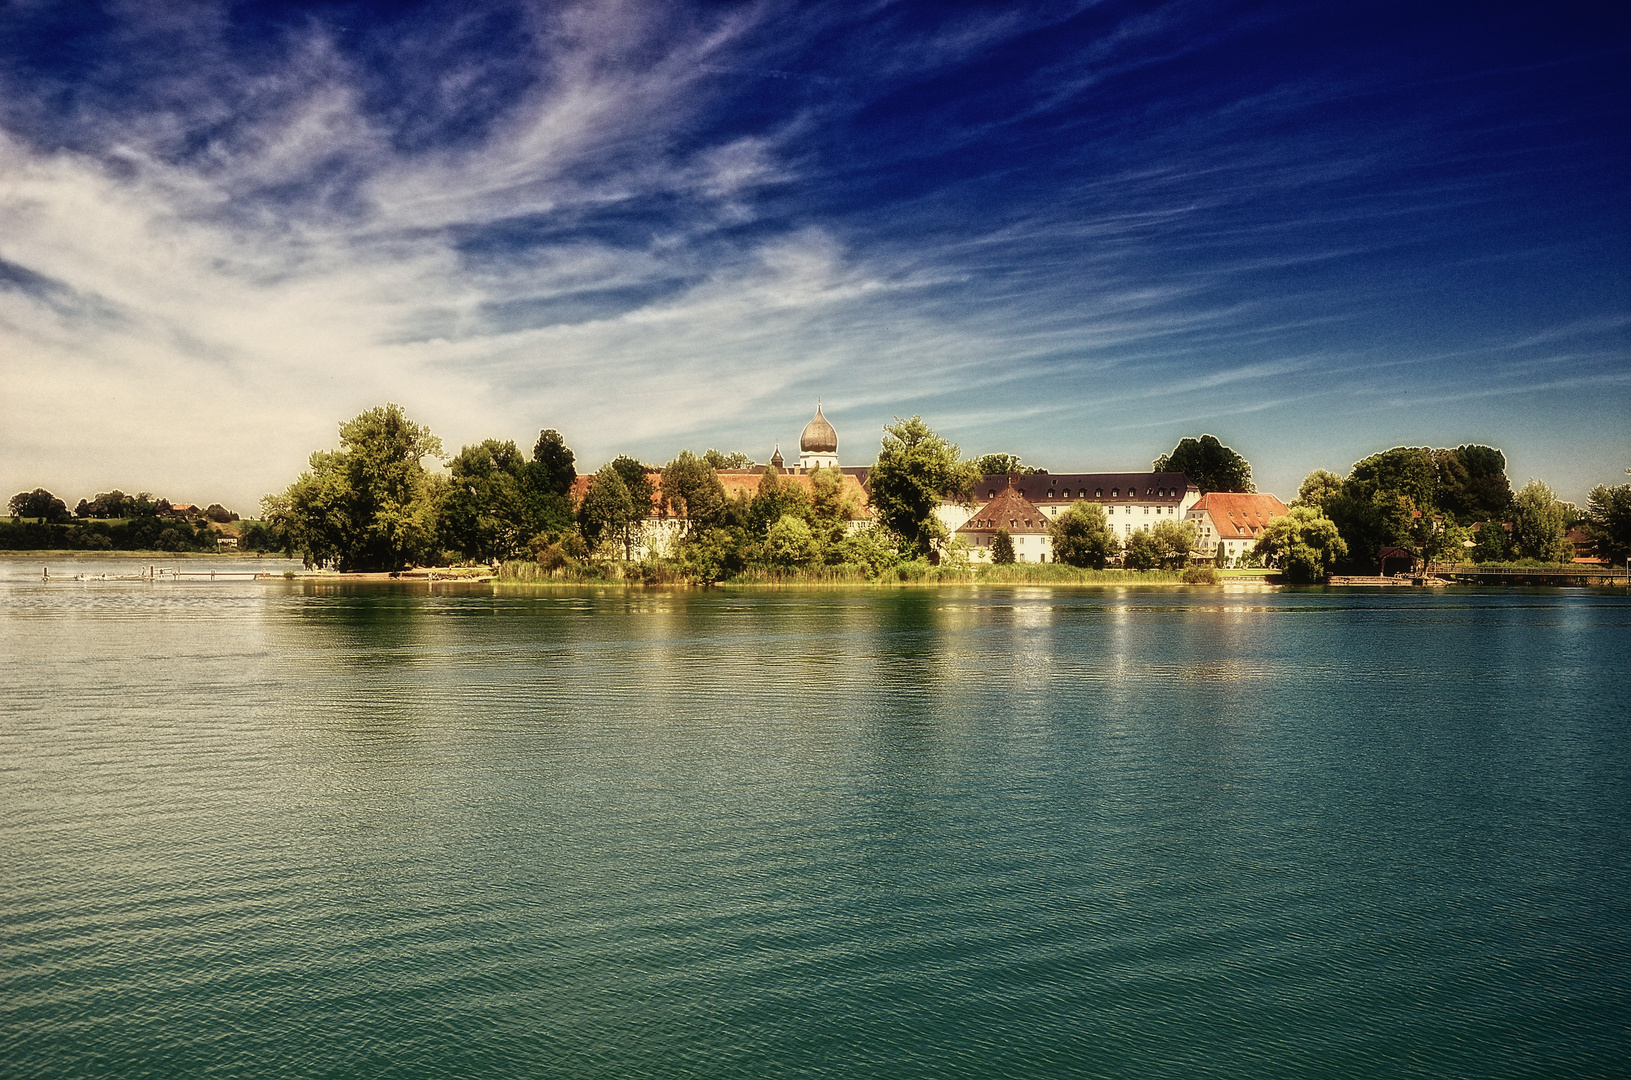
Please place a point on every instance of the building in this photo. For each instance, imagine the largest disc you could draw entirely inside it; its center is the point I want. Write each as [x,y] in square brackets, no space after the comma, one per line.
[1228,523]
[1132,501]
[818,445]
[1024,520]
[818,448]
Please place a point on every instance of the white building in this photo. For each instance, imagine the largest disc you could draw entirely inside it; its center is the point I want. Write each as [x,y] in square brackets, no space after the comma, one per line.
[1025,522]
[1232,519]
[818,445]
[1132,502]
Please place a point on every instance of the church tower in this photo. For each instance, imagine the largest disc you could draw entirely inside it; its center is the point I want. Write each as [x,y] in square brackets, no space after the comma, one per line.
[818,446]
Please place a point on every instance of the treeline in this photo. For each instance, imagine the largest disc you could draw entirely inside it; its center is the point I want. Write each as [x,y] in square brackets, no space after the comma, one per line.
[1435,504]
[372,505]
[114,521]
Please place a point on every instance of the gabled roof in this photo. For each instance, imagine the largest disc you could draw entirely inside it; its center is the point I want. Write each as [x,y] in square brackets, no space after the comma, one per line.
[1238,515]
[1009,510]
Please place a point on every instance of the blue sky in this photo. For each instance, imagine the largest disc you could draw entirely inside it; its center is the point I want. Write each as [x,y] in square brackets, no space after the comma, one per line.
[1073,232]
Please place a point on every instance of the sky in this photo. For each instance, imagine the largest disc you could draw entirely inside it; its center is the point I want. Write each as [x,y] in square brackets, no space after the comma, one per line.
[1074,232]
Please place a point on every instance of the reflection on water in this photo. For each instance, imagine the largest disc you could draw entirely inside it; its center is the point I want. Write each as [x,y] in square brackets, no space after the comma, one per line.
[298,828]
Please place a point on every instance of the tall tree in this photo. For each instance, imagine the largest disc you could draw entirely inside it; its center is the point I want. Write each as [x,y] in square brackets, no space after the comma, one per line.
[691,490]
[1002,548]
[733,460]
[552,470]
[1317,488]
[369,505]
[916,470]
[1490,544]
[1608,522]
[776,498]
[606,510]
[642,494]
[38,503]
[1208,464]
[1000,465]
[1303,544]
[1411,471]
[1472,483]
[1082,536]
[486,512]
[1540,525]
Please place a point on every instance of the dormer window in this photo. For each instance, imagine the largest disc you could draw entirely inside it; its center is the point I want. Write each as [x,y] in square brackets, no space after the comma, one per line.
[1098,493]
[1115,493]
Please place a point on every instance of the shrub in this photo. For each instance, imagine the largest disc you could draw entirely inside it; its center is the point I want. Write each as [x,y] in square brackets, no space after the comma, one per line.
[1200,575]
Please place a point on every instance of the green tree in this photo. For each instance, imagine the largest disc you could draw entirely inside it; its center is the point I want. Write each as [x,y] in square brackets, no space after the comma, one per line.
[1472,483]
[1303,544]
[38,503]
[1000,465]
[369,505]
[870,547]
[790,543]
[916,470]
[1411,471]
[551,471]
[1208,464]
[1002,548]
[1082,536]
[1173,542]
[1318,487]
[1608,522]
[1491,543]
[642,495]
[220,514]
[831,508]
[606,510]
[1434,537]
[1141,552]
[714,554]
[734,460]
[775,499]
[691,490]
[1540,524]
[486,513]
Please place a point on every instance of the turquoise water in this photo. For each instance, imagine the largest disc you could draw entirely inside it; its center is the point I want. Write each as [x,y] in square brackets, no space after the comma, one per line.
[276,830]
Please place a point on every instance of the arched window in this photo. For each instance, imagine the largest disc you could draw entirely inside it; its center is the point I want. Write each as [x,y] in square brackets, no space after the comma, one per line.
[1115,493]
[1098,493]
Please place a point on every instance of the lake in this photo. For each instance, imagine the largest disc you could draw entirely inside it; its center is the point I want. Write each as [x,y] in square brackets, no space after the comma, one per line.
[292,829]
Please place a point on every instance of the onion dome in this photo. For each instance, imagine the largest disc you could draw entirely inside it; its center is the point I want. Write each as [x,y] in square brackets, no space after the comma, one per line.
[819,436]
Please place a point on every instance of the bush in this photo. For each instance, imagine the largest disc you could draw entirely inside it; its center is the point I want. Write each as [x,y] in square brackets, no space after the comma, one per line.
[1200,575]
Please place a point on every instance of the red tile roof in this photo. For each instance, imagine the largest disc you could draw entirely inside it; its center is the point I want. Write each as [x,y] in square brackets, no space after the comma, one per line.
[1239,515]
[735,481]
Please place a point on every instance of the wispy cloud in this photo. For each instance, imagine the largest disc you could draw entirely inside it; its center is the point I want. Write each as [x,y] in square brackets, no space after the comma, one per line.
[652,225]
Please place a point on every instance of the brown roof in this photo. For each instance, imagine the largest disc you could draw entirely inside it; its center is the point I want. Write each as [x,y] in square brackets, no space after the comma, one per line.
[734,481]
[1239,515]
[739,480]
[1152,488]
[1009,510]
[581,485]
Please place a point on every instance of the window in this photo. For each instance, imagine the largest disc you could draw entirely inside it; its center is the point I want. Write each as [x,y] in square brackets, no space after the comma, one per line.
[1115,493]
[1146,511]
[991,494]
[1052,493]
[1098,493]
